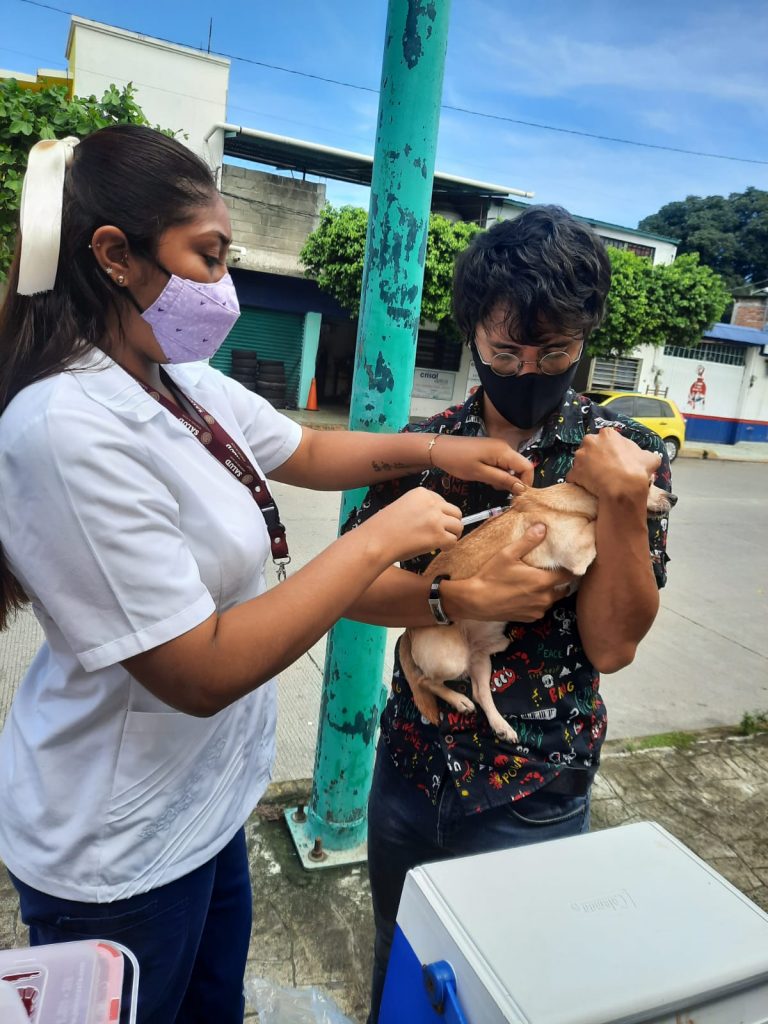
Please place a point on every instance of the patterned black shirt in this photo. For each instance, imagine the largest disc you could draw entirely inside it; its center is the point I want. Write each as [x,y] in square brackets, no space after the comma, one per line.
[543,683]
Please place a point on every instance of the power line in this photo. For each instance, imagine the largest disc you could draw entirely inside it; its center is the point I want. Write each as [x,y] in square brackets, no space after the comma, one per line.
[220,53]
[604,138]
[175,92]
[446,106]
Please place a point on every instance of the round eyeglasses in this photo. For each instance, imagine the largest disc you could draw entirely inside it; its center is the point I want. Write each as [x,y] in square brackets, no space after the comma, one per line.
[505,364]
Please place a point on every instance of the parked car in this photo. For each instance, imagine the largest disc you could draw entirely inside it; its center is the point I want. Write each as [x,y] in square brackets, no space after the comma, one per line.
[658,414]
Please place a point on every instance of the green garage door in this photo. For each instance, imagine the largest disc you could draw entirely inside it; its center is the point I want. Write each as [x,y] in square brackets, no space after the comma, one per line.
[271,335]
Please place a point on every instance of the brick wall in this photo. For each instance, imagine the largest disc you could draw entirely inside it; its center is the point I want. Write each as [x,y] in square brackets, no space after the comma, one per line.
[271,217]
[751,312]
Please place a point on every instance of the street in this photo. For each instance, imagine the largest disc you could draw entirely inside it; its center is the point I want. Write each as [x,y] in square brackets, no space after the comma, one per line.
[704,663]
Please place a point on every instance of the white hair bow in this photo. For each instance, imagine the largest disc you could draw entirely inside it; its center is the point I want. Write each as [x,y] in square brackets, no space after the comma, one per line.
[41,202]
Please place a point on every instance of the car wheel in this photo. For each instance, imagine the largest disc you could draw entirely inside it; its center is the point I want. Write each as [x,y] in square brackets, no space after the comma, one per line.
[673,447]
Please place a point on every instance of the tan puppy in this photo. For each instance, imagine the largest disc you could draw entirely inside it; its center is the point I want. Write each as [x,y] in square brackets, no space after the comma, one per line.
[431,654]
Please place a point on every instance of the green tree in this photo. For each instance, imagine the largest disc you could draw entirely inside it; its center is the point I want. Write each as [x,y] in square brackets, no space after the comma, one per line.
[730,234]
[687,299]
[446,239]
[333,255]
[656,305]
[669,304]
[628,309]
[26,116]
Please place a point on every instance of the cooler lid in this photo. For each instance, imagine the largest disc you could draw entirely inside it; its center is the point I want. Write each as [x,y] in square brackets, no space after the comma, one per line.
[618,925]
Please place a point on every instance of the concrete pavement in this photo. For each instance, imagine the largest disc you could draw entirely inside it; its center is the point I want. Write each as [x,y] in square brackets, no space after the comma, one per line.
[710,789]
[315,928]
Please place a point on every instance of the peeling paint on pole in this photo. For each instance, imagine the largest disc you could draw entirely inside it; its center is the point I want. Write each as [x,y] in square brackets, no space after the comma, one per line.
[401,190]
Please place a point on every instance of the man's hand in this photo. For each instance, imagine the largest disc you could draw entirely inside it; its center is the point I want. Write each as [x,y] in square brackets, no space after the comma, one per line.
[487,459]
[505,589]
[609,465]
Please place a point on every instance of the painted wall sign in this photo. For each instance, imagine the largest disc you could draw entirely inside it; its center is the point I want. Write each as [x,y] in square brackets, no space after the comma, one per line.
[435,384]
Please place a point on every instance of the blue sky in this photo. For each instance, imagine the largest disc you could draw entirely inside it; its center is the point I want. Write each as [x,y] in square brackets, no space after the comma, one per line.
[681,74]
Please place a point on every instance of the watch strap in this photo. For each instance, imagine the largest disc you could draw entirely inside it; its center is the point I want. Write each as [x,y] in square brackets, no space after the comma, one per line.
[435,604]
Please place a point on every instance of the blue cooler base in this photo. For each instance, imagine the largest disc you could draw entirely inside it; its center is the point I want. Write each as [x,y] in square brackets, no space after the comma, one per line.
[674,940]
[406,998]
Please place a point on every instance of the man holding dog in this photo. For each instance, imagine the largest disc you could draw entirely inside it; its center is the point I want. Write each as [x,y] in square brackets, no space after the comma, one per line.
[527,294]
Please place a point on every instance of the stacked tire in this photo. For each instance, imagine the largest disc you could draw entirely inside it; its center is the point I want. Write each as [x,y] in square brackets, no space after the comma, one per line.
[270,382]
[245,365]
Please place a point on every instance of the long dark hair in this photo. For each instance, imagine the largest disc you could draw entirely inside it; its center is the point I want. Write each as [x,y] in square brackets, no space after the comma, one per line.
[134,178]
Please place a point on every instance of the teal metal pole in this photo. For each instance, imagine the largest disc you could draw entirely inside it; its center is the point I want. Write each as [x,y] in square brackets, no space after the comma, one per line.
[401,191]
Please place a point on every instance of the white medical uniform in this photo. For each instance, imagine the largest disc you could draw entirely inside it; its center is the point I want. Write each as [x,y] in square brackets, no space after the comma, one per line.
[126,532]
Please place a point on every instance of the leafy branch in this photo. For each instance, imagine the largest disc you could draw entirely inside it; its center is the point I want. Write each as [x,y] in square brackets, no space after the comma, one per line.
[29,115]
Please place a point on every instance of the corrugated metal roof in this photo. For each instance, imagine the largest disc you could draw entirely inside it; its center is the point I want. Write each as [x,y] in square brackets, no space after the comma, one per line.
[741,335]
[341,165]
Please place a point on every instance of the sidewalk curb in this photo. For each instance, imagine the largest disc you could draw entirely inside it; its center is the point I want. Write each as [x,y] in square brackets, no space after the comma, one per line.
[715,732]
[287,793]
[709,453]
[698,737]
[298,791]
[696,453]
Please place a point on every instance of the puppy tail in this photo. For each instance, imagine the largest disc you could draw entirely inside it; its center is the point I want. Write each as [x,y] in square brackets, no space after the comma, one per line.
[423,698]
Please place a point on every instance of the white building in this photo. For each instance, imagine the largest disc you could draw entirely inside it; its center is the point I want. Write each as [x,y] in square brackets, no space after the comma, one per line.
[720,385]
[657,248]
[177,87]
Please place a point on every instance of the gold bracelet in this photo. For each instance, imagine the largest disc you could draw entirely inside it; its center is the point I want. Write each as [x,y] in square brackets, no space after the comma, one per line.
[430,446]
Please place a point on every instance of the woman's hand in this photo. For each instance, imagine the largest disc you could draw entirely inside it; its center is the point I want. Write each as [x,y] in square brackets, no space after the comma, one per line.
[418,522]
[609,465]
[505,589]
[487,459]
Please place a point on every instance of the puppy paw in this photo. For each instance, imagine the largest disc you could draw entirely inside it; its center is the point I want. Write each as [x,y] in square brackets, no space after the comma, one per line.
[505,732]
[464,704]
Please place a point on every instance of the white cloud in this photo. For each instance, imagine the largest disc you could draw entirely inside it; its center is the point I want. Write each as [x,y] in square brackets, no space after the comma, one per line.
[687,75]
[592,178]
[667,122]
[720,55]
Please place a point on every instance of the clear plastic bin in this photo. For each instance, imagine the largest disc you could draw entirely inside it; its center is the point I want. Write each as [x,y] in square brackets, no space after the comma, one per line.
[70,982]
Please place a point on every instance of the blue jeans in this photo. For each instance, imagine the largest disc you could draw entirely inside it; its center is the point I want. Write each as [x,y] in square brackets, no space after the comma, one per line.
[190,937]
[405,829]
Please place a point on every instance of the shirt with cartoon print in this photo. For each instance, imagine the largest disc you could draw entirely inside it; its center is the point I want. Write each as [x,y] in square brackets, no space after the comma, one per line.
[543,683]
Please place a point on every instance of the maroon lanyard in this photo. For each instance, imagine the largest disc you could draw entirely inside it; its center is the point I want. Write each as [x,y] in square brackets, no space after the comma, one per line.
[228,452]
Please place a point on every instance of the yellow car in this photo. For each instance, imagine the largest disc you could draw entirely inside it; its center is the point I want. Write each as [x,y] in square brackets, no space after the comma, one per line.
[660,415]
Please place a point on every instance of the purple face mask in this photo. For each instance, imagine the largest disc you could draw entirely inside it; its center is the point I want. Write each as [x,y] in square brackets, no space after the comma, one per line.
[190,320]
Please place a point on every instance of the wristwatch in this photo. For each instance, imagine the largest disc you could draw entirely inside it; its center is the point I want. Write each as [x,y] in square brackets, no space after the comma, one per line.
[434,602]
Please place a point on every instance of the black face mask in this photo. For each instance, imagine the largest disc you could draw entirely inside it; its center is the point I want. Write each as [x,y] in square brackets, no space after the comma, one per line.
[524,401]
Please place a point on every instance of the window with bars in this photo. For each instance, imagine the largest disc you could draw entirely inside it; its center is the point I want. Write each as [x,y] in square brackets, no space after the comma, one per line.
[709,352]
[648,251]
[435,352]
[615,374]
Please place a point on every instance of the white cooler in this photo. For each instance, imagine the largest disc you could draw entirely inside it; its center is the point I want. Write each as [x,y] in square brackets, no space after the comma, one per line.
[616,927]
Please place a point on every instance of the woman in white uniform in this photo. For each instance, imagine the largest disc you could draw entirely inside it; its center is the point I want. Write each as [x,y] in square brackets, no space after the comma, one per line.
[135,518]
